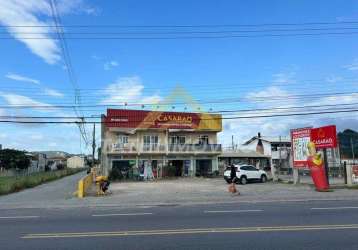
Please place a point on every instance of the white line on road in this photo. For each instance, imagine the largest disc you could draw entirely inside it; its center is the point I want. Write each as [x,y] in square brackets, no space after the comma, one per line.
[132,214]
[332,208]
[235,211]
[19,217]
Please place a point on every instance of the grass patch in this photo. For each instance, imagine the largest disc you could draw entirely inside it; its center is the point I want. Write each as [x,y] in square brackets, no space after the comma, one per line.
[353,187]
[15,184]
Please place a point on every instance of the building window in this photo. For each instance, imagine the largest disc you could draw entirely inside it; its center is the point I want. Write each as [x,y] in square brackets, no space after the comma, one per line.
[177,139]
[150,142]
[123,139]
[203,139]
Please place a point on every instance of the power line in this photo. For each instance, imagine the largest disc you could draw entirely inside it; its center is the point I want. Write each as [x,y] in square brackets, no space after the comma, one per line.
[221,118]
[189,25]
[187,37]
[68,63]
[180,32]
[265,98]
[223,112]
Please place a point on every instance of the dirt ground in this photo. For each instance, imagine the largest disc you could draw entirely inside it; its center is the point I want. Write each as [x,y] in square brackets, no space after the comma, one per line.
[202,190]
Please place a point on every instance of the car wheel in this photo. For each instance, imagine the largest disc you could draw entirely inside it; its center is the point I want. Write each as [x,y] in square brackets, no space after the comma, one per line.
[228,181]
[243,180]
[263,178]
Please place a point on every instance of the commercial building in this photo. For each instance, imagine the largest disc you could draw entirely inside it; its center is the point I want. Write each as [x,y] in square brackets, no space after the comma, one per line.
[157,144]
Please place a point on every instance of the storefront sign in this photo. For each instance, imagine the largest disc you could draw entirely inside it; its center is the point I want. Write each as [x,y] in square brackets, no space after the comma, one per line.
[300,139]
[324,137]
[155,119]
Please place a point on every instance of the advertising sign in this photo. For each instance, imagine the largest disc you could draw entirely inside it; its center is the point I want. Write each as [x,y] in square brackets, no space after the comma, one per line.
[124,118]
[324,137]
[300,139]
[355,174]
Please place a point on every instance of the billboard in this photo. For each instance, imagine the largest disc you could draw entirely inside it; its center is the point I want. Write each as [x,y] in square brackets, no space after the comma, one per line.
[299,141]
[324,137]
[124,118]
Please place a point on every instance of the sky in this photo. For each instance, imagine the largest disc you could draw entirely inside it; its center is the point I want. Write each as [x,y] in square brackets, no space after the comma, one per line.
[228,73]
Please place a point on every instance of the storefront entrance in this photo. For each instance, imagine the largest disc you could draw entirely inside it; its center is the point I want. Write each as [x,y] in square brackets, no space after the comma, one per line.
[203,167]
[178,166]
[121,169]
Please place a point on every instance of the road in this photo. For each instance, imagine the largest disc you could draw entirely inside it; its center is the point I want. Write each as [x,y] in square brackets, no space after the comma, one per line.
[284,225]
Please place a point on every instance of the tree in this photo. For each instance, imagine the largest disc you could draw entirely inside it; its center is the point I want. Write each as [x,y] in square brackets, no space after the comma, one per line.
[347,139]
[11,158]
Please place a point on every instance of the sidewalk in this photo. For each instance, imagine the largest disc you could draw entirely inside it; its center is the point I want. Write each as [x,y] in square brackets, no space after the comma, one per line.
[183,191]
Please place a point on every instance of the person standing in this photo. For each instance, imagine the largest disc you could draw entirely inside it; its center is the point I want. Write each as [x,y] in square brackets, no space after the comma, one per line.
[233,178]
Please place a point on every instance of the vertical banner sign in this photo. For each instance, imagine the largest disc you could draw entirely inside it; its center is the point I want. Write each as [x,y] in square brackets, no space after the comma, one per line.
[300,139]
[324,137]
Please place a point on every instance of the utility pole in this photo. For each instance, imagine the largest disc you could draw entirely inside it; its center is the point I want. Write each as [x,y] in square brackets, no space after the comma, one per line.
[279,151]
[93,143]
[352,147]
[232,142]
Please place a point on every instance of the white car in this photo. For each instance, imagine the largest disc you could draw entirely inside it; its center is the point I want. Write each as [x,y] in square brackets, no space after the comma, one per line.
[245,173]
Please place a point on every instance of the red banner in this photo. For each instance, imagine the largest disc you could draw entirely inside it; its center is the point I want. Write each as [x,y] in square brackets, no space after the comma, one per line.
[324,137]
[123,118]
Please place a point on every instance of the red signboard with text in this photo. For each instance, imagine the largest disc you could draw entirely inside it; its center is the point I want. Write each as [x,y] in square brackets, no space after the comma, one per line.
[324,137]
[123,118]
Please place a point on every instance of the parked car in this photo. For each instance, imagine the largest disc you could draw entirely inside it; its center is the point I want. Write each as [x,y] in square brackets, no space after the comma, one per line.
[245,173]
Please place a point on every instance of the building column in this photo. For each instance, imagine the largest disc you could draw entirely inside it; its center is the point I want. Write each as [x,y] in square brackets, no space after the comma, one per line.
[215,164]
[192,166]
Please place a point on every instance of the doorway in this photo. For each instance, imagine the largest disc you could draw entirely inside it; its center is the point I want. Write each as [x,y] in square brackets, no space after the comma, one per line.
[203,167]
[178,166]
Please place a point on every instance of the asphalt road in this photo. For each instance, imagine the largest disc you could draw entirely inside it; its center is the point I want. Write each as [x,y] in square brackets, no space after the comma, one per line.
[289,225]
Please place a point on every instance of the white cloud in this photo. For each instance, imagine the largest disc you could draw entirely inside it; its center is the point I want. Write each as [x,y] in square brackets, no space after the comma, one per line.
[109,65]
[243,129]
[53,93]
[127,90]
[353,66]
[20,100]
[20,78]
[17,13]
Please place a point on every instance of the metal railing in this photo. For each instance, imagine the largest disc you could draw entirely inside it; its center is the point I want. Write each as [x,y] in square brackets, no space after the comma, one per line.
[210,148]
[161,148]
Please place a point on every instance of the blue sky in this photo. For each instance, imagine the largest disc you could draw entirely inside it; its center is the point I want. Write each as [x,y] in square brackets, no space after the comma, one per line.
[32,72]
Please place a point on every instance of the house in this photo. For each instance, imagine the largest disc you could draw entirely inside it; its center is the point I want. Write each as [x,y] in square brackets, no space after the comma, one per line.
[160,143]
[76,162]
[277,148]
[241,156]
[56,159]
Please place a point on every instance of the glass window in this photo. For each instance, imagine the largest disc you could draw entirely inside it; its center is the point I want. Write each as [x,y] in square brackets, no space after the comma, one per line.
[203,139]
[177,139]
[123,139]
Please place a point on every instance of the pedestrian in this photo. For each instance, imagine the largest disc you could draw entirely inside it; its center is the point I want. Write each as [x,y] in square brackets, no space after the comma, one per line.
[233,177]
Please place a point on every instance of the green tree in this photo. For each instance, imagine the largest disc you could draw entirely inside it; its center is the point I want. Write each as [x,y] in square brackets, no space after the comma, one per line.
[11,158]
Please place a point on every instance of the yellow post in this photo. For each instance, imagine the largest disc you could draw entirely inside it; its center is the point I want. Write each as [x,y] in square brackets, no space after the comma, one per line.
[80,192]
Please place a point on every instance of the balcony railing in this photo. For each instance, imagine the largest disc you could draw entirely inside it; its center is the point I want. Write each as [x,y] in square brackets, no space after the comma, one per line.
[122,148]
[207,148]
[162,148]
[153,148]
